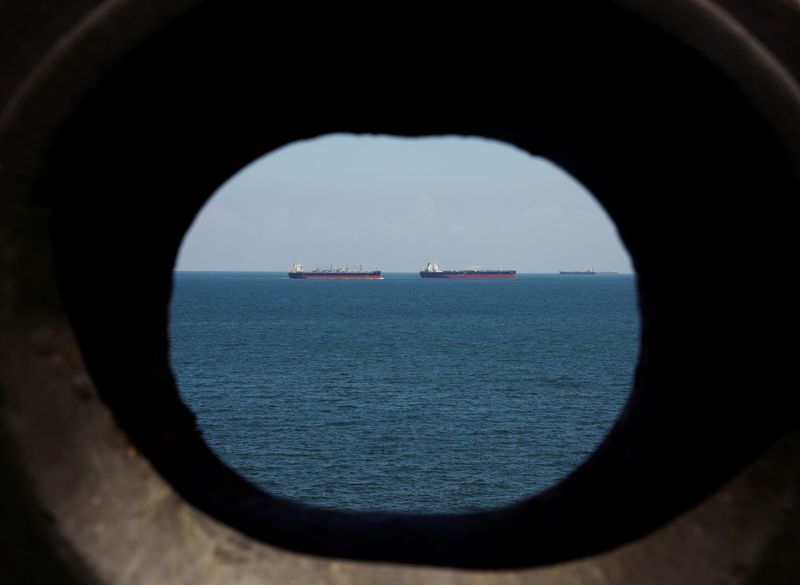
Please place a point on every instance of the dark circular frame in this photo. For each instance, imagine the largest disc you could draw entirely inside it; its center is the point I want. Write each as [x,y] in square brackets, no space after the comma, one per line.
[673,145]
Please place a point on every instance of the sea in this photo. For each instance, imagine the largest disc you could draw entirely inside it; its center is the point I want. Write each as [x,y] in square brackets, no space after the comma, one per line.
[404,394]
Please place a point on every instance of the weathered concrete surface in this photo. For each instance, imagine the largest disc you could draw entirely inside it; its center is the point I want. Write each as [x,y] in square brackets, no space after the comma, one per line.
[672,113]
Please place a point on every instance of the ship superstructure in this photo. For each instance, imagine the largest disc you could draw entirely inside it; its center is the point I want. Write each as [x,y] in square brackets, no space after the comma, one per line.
[588,271]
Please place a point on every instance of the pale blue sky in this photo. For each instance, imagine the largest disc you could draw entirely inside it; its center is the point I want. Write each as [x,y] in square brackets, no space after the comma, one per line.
[396,203]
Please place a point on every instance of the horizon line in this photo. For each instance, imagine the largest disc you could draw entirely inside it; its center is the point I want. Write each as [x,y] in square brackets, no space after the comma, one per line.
[387,271]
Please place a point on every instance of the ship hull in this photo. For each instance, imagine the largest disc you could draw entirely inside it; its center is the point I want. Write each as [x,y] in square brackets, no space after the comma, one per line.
[578,272]
[376,275]
[470,274]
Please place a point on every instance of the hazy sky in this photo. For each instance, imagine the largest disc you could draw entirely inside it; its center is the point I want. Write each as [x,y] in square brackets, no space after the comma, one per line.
[396,203]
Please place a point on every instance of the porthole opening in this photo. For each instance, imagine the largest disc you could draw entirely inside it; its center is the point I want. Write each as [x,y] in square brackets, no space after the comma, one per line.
[404,394]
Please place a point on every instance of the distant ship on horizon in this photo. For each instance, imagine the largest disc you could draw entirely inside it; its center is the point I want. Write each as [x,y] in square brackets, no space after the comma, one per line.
[587,271]
[334,272]
[433,270]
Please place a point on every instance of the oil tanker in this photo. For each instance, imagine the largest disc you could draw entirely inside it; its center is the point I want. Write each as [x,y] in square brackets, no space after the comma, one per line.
[334,272]
[433,270]
[587,271]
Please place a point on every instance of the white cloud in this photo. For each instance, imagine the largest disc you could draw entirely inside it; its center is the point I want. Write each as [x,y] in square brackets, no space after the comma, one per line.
[215,217]
[344,233]
[424,209]
[392,228]
[545,213]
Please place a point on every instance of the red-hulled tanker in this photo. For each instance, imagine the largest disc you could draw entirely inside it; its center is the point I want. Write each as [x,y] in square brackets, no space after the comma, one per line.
[433,270]
[334,272]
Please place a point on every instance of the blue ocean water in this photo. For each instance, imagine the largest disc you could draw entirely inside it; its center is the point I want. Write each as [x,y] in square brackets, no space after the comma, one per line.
[403,393]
